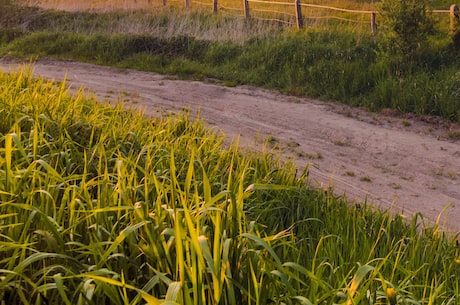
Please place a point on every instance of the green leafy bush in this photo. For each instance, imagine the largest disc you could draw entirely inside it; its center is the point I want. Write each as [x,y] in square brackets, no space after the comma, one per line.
[406,25]
[455,27]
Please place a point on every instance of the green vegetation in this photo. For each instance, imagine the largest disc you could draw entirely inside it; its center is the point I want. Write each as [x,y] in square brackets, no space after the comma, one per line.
[340,62]
[406,27]
[158,210]
[455,30]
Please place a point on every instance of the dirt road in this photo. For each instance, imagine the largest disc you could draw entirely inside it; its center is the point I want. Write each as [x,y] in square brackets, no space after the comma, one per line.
[407,164]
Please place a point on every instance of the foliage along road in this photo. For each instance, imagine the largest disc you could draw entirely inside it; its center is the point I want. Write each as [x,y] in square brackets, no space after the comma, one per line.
[404,163]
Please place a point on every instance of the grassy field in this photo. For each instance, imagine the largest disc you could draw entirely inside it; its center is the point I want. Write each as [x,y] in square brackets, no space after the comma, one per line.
[340,61]
[159,211]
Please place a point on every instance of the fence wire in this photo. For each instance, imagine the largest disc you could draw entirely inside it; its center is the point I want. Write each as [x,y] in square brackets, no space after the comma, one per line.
[337,18]
[274,20]
[337,9]
[231,11]
[246,11]
[273,12]
[203,3]
[271,2]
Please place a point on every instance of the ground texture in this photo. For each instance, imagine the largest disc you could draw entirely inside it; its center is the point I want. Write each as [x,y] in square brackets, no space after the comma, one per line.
[404,163]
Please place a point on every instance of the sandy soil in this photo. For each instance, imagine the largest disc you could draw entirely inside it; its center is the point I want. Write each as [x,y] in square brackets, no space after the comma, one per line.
[404,163]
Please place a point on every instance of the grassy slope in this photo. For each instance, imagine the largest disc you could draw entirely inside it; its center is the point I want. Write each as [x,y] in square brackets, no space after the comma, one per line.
[159,210]
[333,64]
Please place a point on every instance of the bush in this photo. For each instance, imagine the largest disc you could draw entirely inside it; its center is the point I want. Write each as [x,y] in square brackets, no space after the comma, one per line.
[8,12]
[406,26]
[455,28]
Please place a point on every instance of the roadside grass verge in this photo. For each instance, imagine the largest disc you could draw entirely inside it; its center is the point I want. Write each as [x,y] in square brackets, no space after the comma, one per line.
[102,205]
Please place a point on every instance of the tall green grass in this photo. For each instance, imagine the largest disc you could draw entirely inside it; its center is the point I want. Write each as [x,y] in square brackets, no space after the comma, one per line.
[105,206]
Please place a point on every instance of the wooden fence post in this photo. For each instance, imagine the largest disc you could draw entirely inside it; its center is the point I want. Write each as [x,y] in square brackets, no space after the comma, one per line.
[215,6]
[246,9]
[187,3]
[454,18]
[373,24]
[298,12]
[164,2]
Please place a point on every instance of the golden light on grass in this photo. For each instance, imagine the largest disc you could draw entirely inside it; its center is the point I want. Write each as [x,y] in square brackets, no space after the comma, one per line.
[391,295]
[107,206]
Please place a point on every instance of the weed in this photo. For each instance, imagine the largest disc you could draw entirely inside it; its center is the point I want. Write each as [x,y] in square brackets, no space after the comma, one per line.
[453,135]
[406,123]
[292,144]
[229,83]
[350,173]
[272,140]
[341,143]
[314,156]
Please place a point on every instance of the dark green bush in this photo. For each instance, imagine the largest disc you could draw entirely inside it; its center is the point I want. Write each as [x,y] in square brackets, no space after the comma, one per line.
[406,25]
[455,27]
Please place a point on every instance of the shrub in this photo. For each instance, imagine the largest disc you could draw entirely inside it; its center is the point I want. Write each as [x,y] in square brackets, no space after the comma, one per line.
[455,27]
[406,26]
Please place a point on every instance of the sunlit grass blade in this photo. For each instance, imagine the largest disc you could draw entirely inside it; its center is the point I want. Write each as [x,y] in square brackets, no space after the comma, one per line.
[148,298]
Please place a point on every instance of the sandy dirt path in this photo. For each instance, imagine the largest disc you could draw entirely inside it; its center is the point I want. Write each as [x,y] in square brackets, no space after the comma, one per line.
[406,164]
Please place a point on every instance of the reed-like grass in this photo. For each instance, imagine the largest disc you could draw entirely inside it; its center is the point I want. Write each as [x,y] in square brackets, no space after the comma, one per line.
[105,206]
